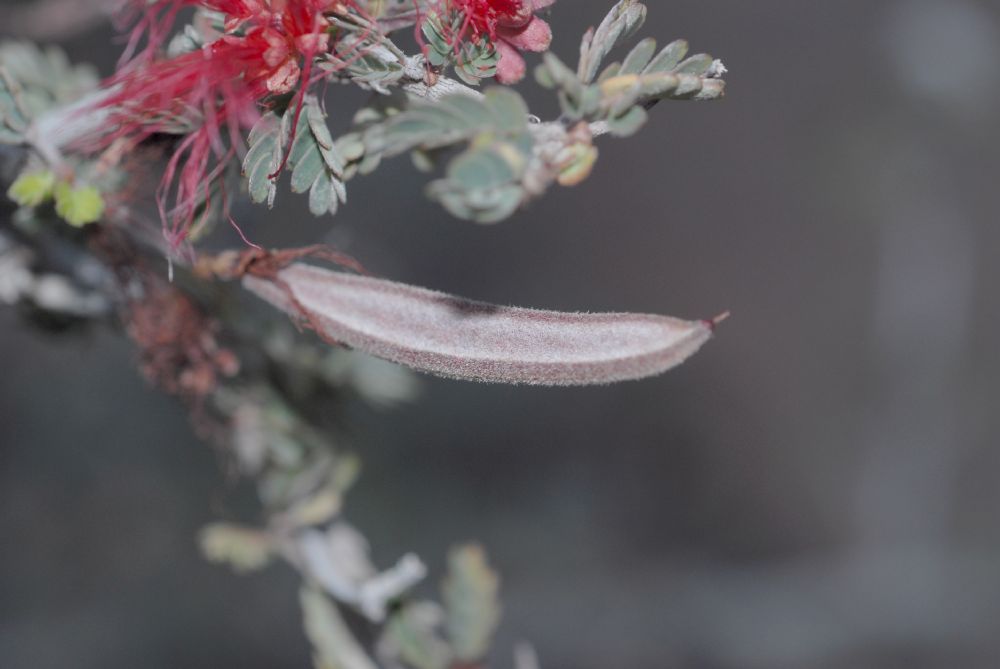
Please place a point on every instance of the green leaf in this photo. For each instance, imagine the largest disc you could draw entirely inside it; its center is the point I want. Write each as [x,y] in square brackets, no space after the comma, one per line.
[425,126]
[46,77]
[624,19]
[321,136]
[308,168]
[484,167]
[477,61]
[468,110]
[508,109]
[78,206]
[244,549]
[639,57]
[628,123]
[471,604]
[487,207]
[474,60]
[32,188]
[609,72]
[696,65]
[351,146]
[439,51]
[317,163]
[482,184]
[669,58]
[410,635]
[452,119]
[13,115]
[334,647]
[556,72]
[577,161]
[322,197]
[657,85]
[267,140]
[638,82]
[364,69]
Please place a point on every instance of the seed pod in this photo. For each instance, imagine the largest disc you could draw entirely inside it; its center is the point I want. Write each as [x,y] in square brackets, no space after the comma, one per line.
[464,339]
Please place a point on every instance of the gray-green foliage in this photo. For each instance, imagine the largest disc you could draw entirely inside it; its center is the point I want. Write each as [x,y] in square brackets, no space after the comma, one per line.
[366,70]
[364,157]
[334,646]
[485,180]
[316,163]
[32,81]
[473,60]
[267,142]
[623,21]
[423,635]
[493,161]
[482,183]
[471,603]
[454,118]
[363,56]
[245,549]
[317,166]
[46,76]
[13,115]
[624,90]
[412,637]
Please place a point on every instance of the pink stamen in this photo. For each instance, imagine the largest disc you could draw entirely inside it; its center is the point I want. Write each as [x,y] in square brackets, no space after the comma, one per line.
[224,83]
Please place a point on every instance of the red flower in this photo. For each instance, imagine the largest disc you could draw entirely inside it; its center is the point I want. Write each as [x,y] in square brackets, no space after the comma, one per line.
[512,26]
[267,48]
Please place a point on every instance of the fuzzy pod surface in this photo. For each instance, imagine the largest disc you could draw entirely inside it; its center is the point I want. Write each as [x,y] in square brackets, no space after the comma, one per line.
[465,339]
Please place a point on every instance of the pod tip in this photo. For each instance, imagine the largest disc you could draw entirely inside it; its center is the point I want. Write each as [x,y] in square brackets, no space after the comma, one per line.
[713,323]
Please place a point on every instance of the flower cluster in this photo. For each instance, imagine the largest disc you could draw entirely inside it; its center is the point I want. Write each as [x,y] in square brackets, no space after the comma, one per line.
[247,52]
[511,25]
[261,39]
[264,47]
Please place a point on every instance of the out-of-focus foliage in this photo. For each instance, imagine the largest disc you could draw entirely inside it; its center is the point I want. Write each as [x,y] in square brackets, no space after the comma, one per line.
[244,549]
[471,603]
[334,646]
[13,110]
[45,76]
[32,188]
[482,183]
[78,205]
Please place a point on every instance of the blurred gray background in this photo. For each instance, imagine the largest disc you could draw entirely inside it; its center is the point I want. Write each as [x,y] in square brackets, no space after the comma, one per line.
[819,488]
